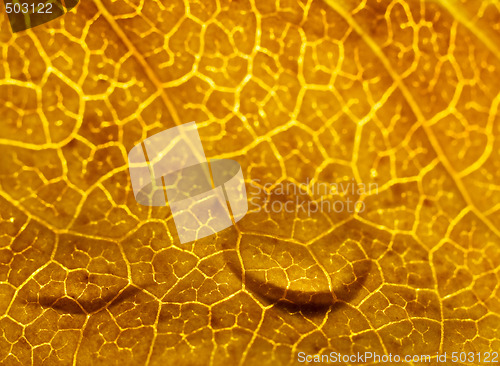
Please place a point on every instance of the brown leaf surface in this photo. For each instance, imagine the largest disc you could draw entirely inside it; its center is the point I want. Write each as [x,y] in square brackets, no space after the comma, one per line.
[404,94]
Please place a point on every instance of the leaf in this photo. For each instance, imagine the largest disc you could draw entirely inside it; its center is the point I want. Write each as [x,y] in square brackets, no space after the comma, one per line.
[400,96]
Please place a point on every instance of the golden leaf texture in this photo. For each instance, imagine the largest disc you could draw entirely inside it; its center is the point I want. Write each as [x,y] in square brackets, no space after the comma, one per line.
[403,95]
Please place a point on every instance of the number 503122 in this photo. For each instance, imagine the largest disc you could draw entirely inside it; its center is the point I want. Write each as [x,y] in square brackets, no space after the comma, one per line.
[25,8]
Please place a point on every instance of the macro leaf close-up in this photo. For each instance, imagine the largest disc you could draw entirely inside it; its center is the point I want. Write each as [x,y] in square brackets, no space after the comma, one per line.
[368,137]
